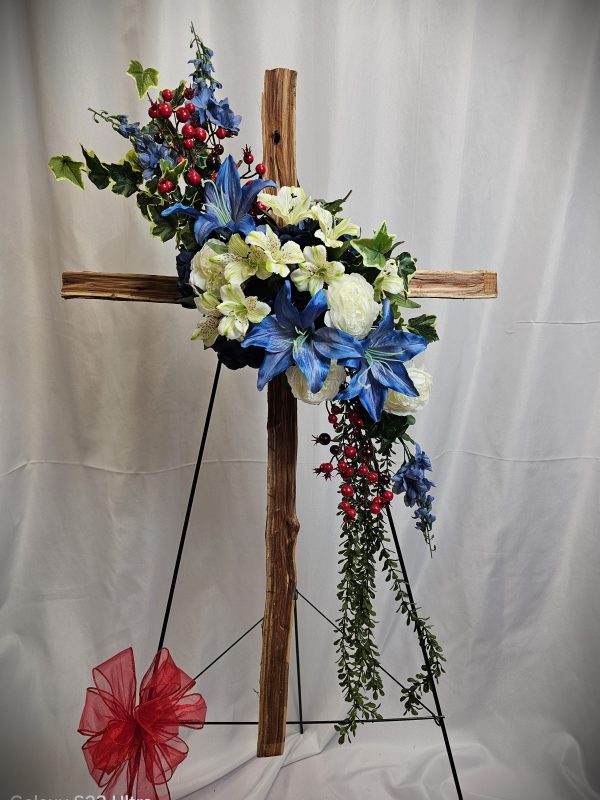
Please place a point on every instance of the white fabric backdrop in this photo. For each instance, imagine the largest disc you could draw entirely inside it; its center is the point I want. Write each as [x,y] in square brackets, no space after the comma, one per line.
[473,128]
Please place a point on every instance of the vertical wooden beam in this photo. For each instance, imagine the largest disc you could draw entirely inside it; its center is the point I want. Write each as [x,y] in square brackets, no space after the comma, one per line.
[279,155]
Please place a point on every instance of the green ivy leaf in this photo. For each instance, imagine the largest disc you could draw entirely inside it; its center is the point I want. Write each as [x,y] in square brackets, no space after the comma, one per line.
[65,169]
[163,227]
[423,325]
[335,206]
[407,266]
[403,301]
[97,172]
[178,94]
[144,78]
[375,251]
[125,179]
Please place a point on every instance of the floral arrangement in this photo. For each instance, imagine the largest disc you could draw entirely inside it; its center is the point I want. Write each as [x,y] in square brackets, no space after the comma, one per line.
[285,283]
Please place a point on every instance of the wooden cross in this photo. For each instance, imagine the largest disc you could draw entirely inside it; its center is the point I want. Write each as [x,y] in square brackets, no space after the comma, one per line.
[279,144]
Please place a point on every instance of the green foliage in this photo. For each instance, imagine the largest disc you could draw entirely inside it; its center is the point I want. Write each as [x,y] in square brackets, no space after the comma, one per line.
[407,266]
[178,94]
[423,325]
[125,179]
[65,169]
[97,172]
[375,251]
[144,78]
[164,228]
[364,544]
[335,206]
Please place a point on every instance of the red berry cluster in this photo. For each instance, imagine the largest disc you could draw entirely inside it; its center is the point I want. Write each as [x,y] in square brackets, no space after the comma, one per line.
[200,145]
[363,488]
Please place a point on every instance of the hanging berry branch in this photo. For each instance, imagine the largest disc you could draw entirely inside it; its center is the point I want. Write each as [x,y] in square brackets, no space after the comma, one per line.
[362,454]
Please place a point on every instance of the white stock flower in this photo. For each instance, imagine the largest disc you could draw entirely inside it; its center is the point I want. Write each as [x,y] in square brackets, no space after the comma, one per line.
[328,391]
[207,328]
[206,273]
[332,229]
[291,204]
[241,261]
[238,312]
[352,307]
[277,257]
[401,404]
[315,271]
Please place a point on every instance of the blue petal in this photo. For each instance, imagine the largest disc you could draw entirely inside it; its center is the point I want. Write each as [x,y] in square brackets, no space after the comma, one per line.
[270,335]
[316,306]
[286,313]
[313,366]
[356,385]
[250,192]
[394,376]
[273,364]
[373,399]
[245,224]
[228,181]
[204,225]
[333,343]
[179,208]
[397,345]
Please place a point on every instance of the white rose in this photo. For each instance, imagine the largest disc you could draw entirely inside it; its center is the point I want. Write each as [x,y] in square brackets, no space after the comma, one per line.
[205,274]
[401,404]
[328,391]
[352,307]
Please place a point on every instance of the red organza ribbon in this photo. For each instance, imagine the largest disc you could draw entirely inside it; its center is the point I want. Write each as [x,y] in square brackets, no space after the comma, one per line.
[133,750]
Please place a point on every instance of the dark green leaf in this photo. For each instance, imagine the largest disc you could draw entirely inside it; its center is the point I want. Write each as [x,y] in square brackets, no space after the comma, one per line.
[125,179]
[97,172]
[423,325]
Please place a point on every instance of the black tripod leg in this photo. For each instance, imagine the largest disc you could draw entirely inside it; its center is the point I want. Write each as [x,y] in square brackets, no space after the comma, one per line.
[188,511]
[432,685]
[297,638]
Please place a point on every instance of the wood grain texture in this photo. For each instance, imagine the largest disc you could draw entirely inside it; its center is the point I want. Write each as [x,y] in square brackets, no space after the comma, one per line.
[281,531]
[473,284]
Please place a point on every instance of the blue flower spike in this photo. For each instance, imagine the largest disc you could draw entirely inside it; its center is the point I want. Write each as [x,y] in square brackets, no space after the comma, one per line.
[227,203]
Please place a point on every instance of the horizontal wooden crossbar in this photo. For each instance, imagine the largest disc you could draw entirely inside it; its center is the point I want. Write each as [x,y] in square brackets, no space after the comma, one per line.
[163,288]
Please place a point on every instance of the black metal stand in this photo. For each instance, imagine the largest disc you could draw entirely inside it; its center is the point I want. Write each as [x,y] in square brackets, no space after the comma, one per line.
[437,715]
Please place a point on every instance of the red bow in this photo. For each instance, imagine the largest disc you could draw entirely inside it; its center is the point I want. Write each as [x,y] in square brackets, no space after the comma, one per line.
[133,750]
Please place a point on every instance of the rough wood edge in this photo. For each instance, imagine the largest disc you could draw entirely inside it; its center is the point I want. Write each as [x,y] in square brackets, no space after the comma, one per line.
[281,530]
[472,284]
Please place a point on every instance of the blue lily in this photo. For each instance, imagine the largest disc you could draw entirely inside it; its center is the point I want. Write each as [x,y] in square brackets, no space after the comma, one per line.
[226,203]
[378,364]
[289,338]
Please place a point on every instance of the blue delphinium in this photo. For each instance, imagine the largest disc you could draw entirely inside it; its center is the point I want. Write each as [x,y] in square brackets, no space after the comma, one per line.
[226,202]
[289,338]
[150,154]
[410,479]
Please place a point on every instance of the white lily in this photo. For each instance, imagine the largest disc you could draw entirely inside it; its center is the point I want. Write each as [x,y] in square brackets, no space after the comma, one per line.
[291,204]
[207,328]
[332,228]
[239,311]
[316,271]
[278,256]
[241,261]
[206,274]
[388,281]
